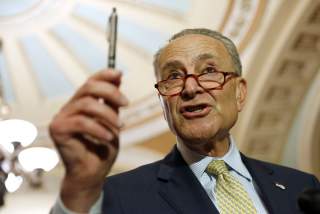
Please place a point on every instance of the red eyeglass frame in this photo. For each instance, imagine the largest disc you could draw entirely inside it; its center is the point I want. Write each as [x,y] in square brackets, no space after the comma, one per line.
[196,77]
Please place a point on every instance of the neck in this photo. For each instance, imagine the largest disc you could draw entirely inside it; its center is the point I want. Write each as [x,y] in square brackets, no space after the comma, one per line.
[217,147]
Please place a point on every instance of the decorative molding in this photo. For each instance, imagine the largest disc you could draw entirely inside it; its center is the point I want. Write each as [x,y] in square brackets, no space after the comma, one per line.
[285,84]
[227,15]
[305,134]
[241,20]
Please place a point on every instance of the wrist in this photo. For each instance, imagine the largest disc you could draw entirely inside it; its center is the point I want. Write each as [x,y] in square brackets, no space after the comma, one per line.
[79,197]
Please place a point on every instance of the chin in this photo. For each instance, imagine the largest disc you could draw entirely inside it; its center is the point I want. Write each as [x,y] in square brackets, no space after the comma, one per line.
[197,135]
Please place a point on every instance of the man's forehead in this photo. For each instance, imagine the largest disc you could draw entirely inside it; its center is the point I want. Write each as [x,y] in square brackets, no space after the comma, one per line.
[194,43]
[193,47]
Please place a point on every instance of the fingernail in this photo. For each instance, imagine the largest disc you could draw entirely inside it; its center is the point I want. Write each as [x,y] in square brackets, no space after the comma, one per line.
[124,100]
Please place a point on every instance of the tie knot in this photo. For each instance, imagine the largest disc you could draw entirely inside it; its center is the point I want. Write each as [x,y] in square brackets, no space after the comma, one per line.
[217,167]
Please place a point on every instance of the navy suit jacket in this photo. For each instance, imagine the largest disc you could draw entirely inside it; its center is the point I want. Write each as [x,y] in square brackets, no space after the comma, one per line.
[169,186]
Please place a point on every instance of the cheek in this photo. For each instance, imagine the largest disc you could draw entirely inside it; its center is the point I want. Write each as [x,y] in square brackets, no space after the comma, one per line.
[226,105]
[169,107]
[231,114]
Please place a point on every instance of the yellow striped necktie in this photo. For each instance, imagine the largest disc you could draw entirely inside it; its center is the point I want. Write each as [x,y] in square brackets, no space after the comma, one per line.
[230,194]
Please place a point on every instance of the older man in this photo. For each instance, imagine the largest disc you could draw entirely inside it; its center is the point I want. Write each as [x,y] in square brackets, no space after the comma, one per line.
[201,92]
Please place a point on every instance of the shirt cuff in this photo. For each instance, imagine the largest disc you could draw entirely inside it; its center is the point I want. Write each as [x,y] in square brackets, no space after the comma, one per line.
[59,207]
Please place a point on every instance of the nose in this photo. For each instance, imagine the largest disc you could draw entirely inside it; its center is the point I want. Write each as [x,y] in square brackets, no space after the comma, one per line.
[191,87]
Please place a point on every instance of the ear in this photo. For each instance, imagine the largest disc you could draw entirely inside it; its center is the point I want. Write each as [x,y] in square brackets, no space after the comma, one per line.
[241,93]
[162,106]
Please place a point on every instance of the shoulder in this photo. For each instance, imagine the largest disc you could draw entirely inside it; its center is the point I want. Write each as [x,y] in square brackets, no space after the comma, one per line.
[278,168]
[126,190]
[148,174]
[136,178]
[280,171]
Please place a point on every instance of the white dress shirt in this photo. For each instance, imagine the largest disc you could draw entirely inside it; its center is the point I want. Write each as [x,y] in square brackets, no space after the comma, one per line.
[198,164]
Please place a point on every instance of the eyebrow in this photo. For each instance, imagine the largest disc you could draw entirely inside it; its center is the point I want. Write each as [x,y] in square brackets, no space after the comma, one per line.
[203,57]
[172,64]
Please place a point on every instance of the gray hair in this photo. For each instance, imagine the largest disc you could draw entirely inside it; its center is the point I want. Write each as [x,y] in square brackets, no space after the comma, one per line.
[231,48]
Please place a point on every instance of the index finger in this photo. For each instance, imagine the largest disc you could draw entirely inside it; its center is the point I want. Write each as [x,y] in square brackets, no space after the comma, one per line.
[110,75]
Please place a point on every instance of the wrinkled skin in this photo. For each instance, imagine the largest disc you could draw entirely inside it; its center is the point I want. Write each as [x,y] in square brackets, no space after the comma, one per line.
[205,133]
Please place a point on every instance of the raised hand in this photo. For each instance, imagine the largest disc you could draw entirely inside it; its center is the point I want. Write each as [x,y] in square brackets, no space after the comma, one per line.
[86,134]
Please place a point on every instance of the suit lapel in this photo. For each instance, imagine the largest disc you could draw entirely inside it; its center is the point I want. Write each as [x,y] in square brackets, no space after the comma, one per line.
[273,191]
[180,188]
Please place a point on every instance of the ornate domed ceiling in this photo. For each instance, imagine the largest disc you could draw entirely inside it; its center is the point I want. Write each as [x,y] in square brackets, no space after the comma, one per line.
[50,47]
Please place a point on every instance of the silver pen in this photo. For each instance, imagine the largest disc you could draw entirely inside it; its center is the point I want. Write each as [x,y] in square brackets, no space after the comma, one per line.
[112,38]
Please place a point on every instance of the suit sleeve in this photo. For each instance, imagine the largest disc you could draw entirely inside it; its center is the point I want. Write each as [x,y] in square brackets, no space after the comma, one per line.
[111,200]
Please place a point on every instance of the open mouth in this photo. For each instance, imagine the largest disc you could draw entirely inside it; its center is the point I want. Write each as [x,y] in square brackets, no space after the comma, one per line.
[195,110]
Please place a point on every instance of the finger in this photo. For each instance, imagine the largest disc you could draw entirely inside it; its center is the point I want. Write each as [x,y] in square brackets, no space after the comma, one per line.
[91,107]
[115,130]
[105,90]
[109,75]
[82,124]
[108,151]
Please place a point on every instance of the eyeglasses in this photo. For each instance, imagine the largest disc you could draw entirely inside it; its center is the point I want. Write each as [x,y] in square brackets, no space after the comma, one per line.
[208,81]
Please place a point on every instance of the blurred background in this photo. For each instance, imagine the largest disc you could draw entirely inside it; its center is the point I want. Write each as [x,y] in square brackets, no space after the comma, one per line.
[49,47]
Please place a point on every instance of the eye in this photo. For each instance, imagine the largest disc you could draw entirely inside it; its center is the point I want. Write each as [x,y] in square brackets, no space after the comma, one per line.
[209,69]
[175,75]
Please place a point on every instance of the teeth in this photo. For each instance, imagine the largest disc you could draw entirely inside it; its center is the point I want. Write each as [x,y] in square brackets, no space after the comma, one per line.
[195,108]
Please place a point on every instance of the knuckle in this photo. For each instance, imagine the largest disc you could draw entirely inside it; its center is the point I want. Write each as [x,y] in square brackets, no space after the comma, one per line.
[113,117]
[115,131]
[79,122]
[116,94]
[54,126]
[89,84]
[87,103]
[113,90]
[91,78]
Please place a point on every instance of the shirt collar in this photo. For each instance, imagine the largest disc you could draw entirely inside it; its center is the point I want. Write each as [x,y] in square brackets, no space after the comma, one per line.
[198,163]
